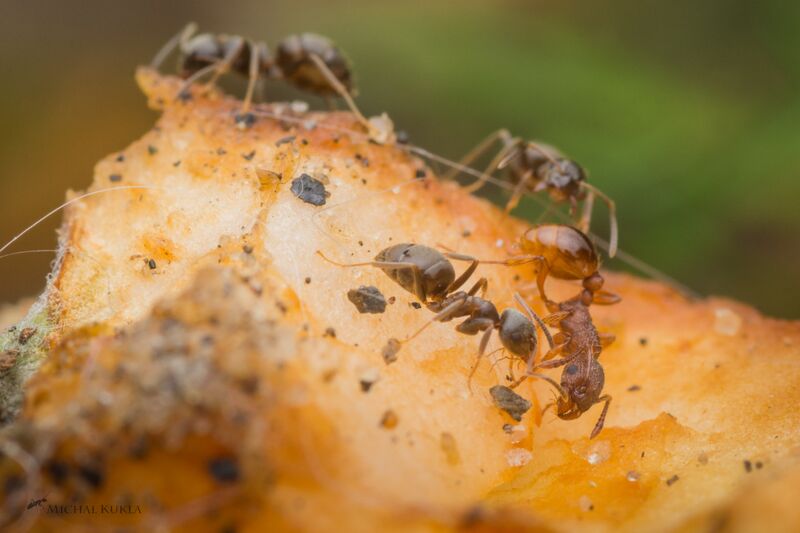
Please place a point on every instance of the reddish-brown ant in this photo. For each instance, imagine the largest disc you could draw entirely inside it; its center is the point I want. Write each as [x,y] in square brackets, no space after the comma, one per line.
[535,167]
[308,61]
[429,275]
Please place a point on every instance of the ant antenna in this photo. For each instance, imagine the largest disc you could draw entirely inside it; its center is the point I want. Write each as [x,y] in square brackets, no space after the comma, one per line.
[68,203]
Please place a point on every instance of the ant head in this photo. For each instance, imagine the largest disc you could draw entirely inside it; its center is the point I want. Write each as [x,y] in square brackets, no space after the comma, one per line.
[562,178]
[582,387]
[295,62]
[199,52]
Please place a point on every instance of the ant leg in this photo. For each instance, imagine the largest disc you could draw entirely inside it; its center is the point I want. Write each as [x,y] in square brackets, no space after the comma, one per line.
[480,285]
[556,318]
[613,238]
[502,134]
[225,64]
[519,189]
[179,38]
[194,77]
[481,350]
[441,316]
[499,161]
[605,298]
[555,363]
[534,317]
[458,282]
[340,89]
[600,421]
[606,339]
[561,341]
[252,77]
[586,215]
[418,290]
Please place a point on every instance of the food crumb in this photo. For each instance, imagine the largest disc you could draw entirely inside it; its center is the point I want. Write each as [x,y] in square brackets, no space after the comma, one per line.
[389,419]
[151,264]
[671,481]
[367,299]
[516,457]
[585,504]
[748,466]
[25,335]
[390,350]
[329,332]
[727,322]
[634,388]
[114,178]
[224,469]
[509,401]
[450,448]
[310,190]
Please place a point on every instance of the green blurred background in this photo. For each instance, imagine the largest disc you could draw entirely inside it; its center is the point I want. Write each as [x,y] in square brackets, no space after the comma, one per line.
[686,112]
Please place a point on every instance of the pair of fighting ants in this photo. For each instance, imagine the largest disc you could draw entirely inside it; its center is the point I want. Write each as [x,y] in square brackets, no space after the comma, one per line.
[560,251]
[315,64]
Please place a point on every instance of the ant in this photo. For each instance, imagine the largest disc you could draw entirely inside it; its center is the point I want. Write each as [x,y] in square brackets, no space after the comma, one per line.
[309,61]
[36,503]
[430,276]
[537,167]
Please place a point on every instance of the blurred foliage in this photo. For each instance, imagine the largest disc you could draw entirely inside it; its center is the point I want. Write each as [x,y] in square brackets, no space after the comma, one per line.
[685,112]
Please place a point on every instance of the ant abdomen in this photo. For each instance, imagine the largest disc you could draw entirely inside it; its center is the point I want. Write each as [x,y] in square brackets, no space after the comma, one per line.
[517,333]
[433,270]
[294,59]
[568,251]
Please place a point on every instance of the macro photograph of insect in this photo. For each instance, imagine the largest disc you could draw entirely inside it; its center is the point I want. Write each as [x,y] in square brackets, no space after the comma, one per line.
[373,266]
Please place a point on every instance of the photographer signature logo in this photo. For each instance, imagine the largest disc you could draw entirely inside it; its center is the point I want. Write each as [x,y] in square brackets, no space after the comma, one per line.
[61,509]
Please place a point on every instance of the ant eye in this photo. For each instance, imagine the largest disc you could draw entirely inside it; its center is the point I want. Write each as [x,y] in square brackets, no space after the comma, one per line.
[571,369]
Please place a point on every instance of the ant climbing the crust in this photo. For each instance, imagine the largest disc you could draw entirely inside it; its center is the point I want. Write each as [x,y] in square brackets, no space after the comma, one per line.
[535,167]
[428,274]
[308,61]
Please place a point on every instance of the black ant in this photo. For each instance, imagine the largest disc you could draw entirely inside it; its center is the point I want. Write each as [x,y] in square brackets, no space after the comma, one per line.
[536,167]
[36,503]
[429,275]
[310,62]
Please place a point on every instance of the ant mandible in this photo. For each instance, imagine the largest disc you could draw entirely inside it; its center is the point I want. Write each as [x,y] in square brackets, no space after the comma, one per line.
[535,167]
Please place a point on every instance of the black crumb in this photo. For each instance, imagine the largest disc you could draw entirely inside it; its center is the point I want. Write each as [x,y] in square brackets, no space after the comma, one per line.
[151,264]
[634,388]
[748,466]
[152,150]
[508,428]
[308,280]
[389,351]
[121,158]
[329,332]
[402,137]
[510,402]
[367,299]
[249,155]
[366,385]
[416,305]
[57,471]
[247,249]
[177,163]
[245,121]
[221,151]
[224,469]
[92,475]
[759,465]
[310,190]
[285,140]
[114,178]
[420,173]
[643,341]
[671,481]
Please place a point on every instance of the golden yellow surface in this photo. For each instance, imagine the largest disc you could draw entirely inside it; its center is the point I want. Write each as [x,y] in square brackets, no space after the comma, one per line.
[197,327]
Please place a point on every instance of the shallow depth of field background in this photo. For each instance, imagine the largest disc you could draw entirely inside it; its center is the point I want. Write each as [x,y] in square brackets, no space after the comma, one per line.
[688,113]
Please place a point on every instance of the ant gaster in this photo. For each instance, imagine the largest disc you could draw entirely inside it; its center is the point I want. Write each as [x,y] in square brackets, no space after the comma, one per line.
[564,252]
[537,167]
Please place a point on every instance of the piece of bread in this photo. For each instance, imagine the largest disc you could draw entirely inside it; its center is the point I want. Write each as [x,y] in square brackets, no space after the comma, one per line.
[207,371]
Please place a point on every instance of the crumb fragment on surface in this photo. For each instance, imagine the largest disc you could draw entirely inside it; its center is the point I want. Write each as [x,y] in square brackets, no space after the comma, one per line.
[509,401]
[367,299]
